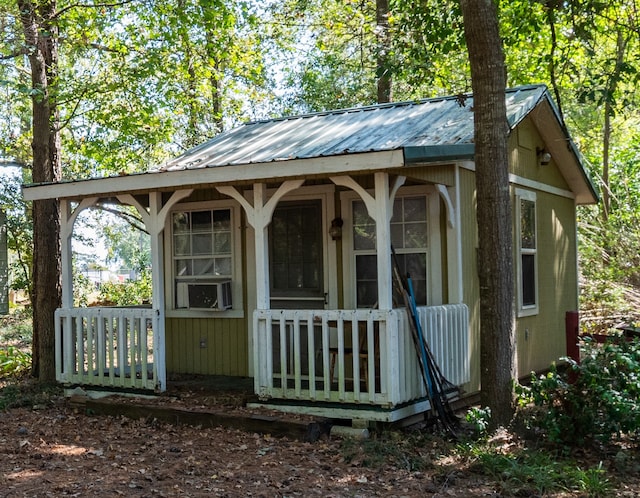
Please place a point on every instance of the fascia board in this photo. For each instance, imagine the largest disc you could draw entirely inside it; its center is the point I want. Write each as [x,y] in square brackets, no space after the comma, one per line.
[219,175]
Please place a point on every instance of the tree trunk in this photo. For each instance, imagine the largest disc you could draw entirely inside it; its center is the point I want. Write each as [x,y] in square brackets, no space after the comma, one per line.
[495,255]
[40,33]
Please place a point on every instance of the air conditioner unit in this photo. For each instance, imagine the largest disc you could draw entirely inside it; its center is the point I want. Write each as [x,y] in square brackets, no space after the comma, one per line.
[204,295]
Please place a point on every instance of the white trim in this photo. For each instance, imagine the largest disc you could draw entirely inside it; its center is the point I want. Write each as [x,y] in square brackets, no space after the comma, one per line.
[528,310]
[236,240]
[454,246]
[520,181]
[253,172]
[542,187]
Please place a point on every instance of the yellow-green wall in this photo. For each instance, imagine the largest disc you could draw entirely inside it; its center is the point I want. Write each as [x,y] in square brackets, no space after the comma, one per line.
[540,339]
[209,346]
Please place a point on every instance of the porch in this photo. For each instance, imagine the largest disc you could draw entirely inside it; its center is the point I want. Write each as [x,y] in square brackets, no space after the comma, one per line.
[305,360]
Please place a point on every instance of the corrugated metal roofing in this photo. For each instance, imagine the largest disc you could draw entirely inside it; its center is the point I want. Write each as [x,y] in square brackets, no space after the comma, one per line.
[438,123]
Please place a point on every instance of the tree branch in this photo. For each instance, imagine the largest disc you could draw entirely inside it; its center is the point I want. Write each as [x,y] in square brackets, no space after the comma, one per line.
[92,6]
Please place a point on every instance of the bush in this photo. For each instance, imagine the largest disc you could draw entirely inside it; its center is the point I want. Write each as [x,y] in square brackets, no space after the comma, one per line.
[598,399]
[130,292]
[13,361]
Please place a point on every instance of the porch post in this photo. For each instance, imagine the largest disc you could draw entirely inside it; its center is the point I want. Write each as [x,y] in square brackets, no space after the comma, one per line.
[154,219]
[383,213]
[66,230]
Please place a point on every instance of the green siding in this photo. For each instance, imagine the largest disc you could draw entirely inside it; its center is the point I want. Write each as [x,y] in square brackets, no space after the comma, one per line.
[524,160]
[541,338]
[471,290]
[443,174]
[225,341]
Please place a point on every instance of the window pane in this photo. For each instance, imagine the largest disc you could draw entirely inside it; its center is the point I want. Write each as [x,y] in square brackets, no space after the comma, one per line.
[203,267]
[415,265]
[182,245]
[202,244]
[222,219]
[222,243]
[364,228]
[201,221]
[180,222]
[528,223]
[528,280]
[415,209]
[415,235]
[366,267]
[183,267]
[223,267]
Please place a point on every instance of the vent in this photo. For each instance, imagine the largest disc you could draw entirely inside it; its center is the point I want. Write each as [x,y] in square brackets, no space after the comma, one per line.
[204,295]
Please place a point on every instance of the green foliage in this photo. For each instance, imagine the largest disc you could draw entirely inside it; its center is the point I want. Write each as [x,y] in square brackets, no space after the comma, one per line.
[127,293]
[14,361]
[602,401]
[479,419]
[16,327]
[532,472]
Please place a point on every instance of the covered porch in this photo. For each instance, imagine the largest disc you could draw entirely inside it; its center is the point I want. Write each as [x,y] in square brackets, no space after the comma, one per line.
[360,362]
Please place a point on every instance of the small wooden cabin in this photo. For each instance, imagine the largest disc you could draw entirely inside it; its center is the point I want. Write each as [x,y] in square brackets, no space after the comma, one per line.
[271,256]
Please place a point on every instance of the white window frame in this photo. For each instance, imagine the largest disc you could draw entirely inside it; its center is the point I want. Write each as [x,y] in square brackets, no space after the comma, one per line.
[237,310]
[529,309]
[434,253]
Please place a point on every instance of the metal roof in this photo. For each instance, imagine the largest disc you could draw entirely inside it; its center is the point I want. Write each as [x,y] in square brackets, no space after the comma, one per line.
[436,129]
[386,136]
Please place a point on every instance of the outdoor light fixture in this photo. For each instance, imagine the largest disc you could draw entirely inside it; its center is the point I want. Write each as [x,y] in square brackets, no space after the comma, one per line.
[336,228]
[544,156]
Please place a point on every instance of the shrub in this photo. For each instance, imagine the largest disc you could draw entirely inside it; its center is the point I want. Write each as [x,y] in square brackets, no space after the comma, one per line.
[13,361]
[127,293]
[597,399]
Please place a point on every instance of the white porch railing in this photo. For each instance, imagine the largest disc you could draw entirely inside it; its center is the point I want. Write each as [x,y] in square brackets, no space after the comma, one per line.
[108,347]
[310,354]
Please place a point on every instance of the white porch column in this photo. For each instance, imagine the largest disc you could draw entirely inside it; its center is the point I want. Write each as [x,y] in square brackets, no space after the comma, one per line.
[259,216]
[380,208]
[154,220]
[68,218]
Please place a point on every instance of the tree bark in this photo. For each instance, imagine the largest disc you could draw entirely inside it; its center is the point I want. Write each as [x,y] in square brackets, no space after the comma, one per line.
[41,38]
[495,254]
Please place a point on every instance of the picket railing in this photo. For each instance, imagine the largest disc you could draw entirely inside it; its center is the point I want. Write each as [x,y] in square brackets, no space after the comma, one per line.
[310,354]
[108,347]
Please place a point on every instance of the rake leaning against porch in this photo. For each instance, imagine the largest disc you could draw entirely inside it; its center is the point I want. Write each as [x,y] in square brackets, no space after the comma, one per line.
[271,256]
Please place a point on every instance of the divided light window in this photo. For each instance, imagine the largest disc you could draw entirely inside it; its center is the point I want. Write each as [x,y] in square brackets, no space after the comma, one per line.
[202,245]
[528,257]
[409,239]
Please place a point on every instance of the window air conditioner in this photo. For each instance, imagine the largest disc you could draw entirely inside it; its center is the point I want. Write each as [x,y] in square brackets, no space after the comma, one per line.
[204,295]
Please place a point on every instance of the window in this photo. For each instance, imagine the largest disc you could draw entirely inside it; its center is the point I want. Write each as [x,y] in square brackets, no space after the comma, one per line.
[409,237]
[202,258]
[527,246]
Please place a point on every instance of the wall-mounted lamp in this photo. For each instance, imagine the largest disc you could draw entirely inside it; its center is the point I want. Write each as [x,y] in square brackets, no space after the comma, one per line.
[336,228]
[544,156]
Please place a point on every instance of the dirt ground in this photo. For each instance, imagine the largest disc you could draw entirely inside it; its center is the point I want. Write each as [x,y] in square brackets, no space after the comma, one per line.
[59,450]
